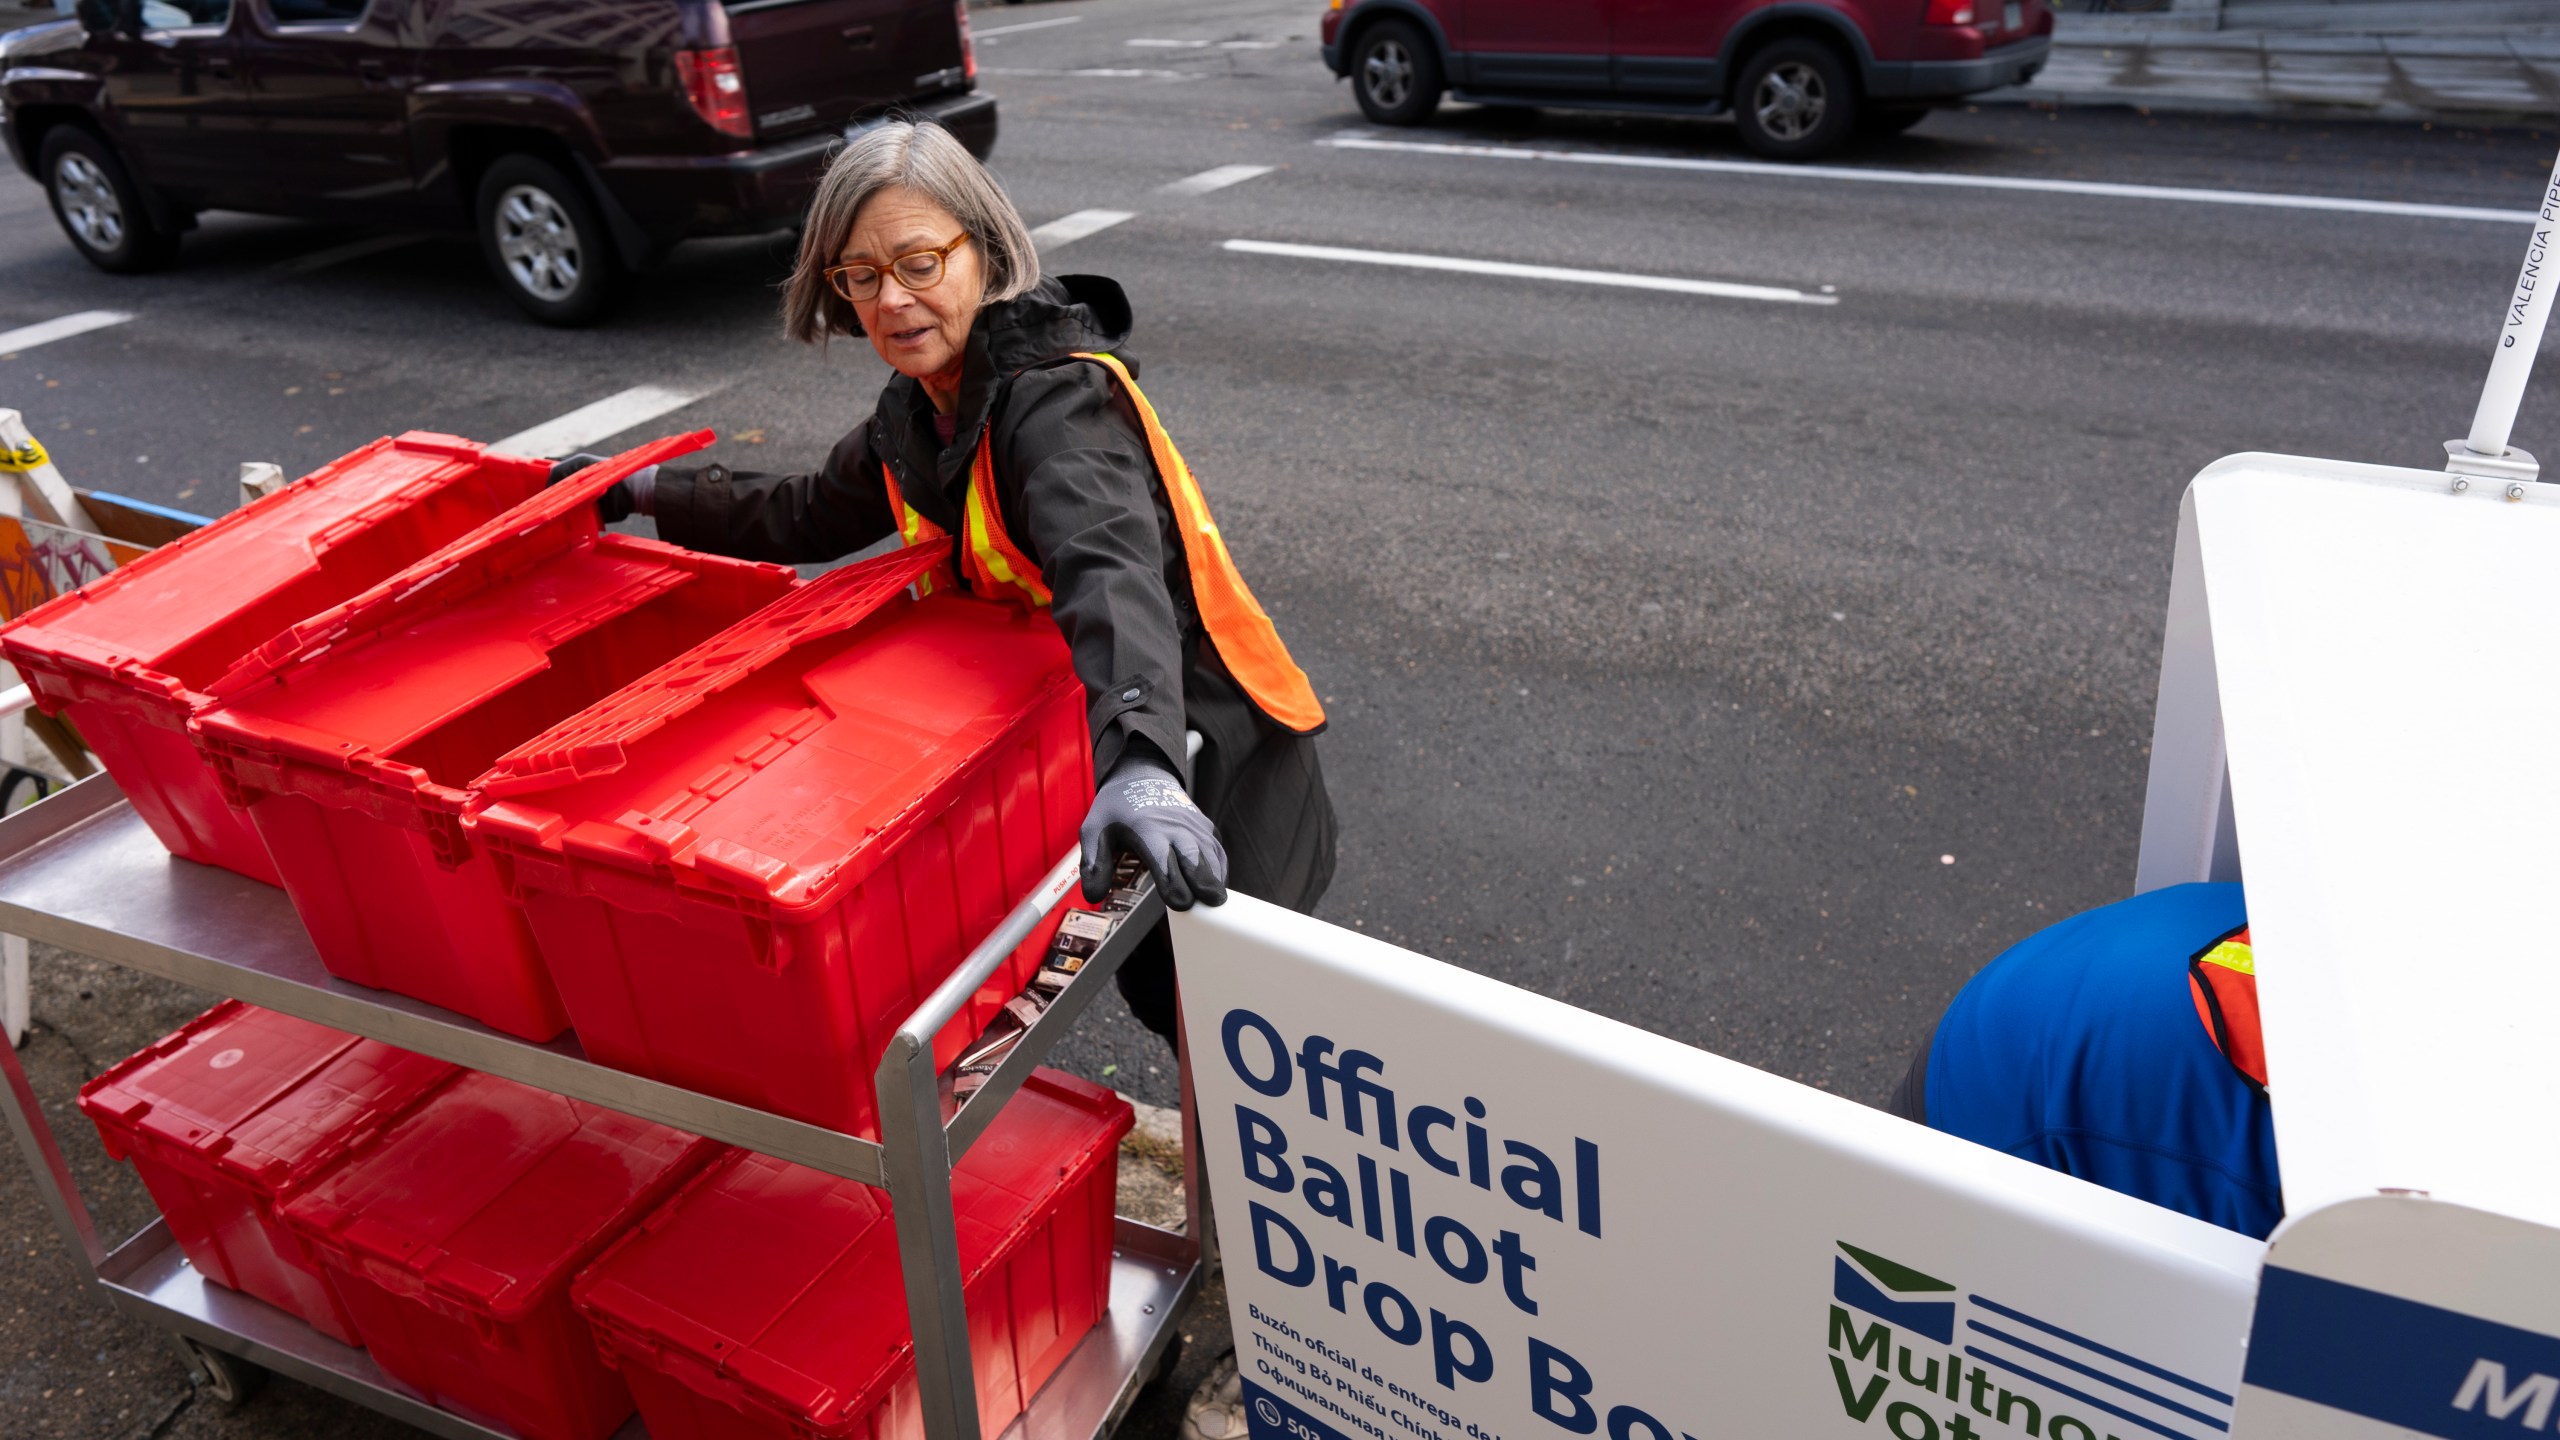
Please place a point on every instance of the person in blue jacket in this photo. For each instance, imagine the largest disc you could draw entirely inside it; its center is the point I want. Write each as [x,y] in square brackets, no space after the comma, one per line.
[2121,1046]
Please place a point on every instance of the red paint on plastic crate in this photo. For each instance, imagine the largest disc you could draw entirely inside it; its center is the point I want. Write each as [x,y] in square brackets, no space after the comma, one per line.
[237,1113]
[455,1238]
[746,870]
[128,658]
[766,1300]
[351,738]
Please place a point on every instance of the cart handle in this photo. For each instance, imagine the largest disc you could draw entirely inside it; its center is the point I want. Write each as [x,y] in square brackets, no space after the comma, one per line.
[974,972]
[992,952]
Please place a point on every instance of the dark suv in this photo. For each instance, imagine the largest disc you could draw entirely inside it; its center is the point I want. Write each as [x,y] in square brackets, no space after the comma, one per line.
[579,138]
[1800,77]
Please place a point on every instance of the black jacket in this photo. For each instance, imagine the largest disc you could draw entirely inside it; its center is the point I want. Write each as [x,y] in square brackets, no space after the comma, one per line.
[1080,495]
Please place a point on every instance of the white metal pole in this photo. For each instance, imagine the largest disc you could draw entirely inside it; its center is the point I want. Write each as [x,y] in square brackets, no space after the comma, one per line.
[13,990]
[2519,331]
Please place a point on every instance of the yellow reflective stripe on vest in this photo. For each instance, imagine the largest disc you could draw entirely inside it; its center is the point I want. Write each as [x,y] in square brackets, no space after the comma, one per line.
[994,563]
[2232,955]
[913,528]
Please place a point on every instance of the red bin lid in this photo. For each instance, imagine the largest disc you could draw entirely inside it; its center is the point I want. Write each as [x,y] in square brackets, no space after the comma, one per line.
[269,1098]
[355,685]
[493,1192]
[190,608]
[784,1281]
[780,759]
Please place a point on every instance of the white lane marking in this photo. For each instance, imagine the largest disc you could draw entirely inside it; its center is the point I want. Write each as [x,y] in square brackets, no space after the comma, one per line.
[1206,44]
[1620,279]
[989,34]
[1098,72]
[352,250]
[602,420]
[1067,229]
[1218,179]
[2263,198]
[45,332]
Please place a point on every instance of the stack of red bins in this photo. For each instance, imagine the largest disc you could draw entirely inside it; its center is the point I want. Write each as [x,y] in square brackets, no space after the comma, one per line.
[765,1301]
[747,869]
[352,737]
[128,658]
[238,1113]
[453,1241]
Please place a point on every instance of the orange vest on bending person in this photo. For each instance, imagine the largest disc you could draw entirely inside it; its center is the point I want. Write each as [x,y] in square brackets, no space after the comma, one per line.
[1244,635]
[2222,979]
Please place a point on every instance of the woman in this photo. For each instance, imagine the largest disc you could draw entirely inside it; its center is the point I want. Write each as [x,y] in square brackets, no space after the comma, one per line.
[1015,426]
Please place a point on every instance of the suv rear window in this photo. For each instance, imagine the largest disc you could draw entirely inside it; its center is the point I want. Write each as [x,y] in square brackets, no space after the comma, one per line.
[184,14]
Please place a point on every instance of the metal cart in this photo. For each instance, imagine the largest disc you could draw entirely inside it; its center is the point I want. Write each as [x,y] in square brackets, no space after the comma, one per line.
[80,870]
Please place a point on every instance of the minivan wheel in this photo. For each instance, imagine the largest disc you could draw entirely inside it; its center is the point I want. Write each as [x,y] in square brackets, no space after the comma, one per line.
[1796,101]
[99,205]
[545,241]
[1395,70]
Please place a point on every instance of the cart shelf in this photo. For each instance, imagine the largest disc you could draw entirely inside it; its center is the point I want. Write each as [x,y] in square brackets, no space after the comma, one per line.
[83,872]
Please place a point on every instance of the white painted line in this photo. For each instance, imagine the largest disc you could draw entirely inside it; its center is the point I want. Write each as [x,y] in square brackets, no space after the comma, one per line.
[1218,179]
[45,332]
[1067,229]
[2261,198]
[1205,44]
[602,420]
[994,31]
[352,250]
[1096,72]
[1251,44]
[1620,279]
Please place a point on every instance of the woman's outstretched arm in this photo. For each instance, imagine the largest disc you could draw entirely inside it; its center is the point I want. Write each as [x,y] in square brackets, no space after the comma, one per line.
[804,519]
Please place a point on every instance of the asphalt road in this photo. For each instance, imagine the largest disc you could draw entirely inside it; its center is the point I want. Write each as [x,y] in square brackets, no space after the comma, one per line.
[1748,668]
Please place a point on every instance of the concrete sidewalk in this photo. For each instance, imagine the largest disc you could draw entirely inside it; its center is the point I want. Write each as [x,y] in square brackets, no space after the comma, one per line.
[2506,78]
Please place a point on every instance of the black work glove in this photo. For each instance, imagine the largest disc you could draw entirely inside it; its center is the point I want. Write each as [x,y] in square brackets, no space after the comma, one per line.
[1143,809]
[614,505]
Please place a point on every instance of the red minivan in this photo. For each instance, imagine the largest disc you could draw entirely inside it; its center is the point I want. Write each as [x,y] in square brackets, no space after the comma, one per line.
[1801,77]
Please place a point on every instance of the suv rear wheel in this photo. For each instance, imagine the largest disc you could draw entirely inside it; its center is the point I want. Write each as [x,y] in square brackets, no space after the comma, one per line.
[1796,101]
[545,241]
[99,204]
[1395,70]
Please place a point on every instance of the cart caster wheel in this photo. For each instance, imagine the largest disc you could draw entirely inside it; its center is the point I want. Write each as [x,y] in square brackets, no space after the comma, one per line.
[228,1378]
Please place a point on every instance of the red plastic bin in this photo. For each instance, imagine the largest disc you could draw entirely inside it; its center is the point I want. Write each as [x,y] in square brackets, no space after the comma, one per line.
[234,1115]
[766,1299]
[746,870]
[454,1239]
[128,658]
[351,738]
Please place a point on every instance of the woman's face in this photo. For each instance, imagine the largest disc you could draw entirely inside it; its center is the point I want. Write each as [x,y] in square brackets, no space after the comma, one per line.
[922,333]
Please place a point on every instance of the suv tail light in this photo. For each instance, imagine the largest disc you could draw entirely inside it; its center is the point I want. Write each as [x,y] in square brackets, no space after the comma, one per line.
[968,43]
[717,88]
[1949,12]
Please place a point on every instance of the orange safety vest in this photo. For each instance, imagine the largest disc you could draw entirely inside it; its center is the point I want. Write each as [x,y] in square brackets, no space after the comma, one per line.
[2222,979]
[1244,635]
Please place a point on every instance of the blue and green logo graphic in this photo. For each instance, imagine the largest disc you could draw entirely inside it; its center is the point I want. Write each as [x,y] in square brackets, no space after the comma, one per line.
[1900,1352]
[1894,1293]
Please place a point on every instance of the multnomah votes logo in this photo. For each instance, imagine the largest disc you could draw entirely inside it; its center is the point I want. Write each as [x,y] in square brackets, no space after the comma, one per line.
[1926,1361]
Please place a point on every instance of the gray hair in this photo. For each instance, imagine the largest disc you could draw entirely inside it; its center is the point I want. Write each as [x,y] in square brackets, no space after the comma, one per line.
[926,159]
